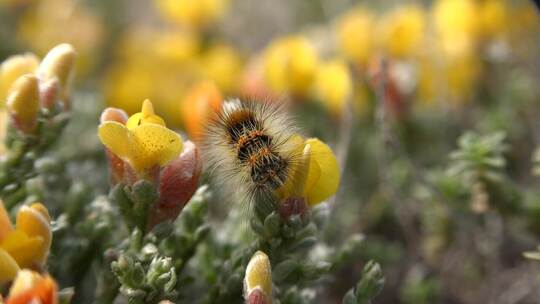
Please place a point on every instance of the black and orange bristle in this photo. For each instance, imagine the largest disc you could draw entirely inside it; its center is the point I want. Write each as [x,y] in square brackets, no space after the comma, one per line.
[249,147]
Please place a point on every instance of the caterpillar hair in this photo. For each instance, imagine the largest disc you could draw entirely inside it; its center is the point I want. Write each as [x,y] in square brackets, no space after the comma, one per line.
[249,148]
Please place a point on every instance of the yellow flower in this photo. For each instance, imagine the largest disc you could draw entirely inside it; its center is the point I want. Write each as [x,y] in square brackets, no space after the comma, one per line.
[192,14]
[402,30]
[13,68]
[144,141]
[28,244]
[333,85]
[456,22]
[153,63]
[316,177]
[223,65]
[31,287]
[355,35]
[290,64]
[258,277]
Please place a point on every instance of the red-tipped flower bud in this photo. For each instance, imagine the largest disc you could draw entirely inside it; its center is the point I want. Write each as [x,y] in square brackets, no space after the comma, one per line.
[293,206]
[177,183]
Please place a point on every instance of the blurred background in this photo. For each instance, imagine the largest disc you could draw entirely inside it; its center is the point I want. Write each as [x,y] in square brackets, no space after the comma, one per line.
[433,108]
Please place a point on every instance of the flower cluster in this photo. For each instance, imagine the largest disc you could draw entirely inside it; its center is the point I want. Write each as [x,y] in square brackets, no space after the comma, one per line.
[145,154]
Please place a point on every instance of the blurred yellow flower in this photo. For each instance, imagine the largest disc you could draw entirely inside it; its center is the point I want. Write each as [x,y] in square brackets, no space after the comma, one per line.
[28,244]
[12,68]
[223,65]
[333,85]
[59,21]
[144,141]
[316,176]
[461,75]
[529,20]
[355,35]
[457,24]
[31,287]
[290,64]
[258,277]
[401,31]
[494,18]
[192,14]
[157,64]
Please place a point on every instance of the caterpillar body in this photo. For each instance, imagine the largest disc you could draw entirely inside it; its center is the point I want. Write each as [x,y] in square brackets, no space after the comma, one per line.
[250,146]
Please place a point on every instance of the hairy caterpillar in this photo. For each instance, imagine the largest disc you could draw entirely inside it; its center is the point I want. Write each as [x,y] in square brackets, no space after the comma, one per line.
[250,145]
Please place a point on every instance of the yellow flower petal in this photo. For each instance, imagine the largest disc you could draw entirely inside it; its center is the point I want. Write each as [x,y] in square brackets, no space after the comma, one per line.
[146,115]
[8,267]
[323,184]
[259,273]
[153,144]
[115,136]
[5,223]
[294,185]
[35,222]
[27,251]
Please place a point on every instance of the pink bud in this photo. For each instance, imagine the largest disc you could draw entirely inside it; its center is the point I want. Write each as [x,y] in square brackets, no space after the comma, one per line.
[177,183]
[113,114]
[257,296]
[117,167]
[293,206]
[48,93]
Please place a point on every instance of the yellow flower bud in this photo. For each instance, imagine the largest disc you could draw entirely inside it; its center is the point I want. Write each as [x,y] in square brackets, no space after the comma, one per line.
[30,242]
[5,223]
[59,63]
[13,68]
[35,222]
[8,267]
[258,275]
[23,102]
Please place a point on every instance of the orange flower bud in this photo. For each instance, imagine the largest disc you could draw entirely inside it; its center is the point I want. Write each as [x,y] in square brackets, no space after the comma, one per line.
[31,287]
[198,105]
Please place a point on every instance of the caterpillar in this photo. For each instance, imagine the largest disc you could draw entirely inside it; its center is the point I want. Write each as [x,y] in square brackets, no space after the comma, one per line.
[250,147]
